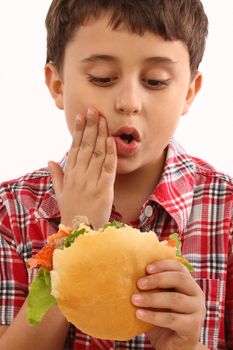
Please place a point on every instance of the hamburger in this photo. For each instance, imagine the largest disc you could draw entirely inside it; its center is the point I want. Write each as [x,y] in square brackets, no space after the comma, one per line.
[94,272]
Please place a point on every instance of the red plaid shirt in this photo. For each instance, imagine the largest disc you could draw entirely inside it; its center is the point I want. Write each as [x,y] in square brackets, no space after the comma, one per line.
[191,198]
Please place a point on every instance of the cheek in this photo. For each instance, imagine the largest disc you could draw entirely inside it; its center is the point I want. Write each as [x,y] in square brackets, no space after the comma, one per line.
[78,97]
[174,101]
[75,101]
[162,131]
[164,119]
[170,107]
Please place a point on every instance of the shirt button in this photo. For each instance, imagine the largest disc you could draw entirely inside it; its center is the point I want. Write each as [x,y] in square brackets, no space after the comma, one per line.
[36,214]
[141,217]
[148,211]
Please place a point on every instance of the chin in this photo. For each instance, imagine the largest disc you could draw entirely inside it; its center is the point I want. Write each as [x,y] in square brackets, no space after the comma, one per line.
[126,166]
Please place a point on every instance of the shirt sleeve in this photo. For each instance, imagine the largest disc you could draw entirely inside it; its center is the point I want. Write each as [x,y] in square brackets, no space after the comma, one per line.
[229,295]
[13,272]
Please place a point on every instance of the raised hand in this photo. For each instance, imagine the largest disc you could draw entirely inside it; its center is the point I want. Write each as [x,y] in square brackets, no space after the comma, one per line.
[86,186]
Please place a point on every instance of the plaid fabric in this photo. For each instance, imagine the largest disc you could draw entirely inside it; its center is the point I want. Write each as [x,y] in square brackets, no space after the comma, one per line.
[191,199]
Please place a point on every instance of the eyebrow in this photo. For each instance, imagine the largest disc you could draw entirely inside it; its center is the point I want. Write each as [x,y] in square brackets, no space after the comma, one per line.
[113,59]
[160,59]
[97,58]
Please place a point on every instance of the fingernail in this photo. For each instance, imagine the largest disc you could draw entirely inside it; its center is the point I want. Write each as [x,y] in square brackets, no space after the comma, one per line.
[137,298]
[102,121]
[110,141]
[140,314]
[78,120]
[90,112]
[142,282]
[151,268]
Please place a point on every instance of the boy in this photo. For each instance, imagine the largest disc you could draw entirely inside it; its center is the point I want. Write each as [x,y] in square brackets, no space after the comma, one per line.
[124,72]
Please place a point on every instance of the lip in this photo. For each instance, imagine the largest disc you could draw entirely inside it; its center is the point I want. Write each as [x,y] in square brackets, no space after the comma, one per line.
[127,149]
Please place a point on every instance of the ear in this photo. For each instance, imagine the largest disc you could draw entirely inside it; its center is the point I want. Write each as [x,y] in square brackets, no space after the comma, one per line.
[193,89]
[54,84]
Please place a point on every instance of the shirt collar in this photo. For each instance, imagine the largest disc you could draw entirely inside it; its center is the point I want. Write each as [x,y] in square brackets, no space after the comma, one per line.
[175,189]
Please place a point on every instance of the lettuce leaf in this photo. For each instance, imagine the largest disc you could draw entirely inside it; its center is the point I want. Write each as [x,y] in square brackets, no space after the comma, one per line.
[175,237]
[72,236]
[114,223]
[39,299]
[186,263]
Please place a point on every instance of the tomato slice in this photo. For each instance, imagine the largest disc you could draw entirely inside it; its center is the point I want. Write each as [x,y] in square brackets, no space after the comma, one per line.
[44,257]
[62,232]
[171,243]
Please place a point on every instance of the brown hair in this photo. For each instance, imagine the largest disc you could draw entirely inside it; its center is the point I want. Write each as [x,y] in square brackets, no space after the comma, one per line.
[183,20]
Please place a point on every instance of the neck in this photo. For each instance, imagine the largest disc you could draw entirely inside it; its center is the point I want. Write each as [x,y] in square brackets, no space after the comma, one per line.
[133,189]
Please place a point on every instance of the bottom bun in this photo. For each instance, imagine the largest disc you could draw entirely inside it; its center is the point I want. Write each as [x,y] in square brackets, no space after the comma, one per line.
[94,279]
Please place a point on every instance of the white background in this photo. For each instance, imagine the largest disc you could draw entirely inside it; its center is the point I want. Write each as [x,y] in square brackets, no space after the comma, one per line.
[34,131]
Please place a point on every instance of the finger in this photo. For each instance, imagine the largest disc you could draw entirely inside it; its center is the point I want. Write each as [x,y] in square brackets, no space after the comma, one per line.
[108,172]
[177,280]
[99,152]
[57,178]
[76,141]
[165,265]
[88,141]
[183,324]
[177,302]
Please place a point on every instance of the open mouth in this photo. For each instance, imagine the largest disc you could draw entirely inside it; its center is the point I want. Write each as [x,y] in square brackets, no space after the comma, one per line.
[126,138]
[128,134]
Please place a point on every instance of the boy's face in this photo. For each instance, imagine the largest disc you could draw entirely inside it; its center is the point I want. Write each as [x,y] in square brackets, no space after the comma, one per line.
[138,82]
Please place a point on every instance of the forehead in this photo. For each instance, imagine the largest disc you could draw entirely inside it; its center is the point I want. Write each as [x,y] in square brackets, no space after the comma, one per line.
[97,37]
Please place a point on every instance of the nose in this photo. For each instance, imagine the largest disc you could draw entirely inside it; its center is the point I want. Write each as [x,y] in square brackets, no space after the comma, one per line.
[128,100]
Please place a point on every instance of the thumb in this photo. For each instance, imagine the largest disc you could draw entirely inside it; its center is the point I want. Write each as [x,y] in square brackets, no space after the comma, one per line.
[57,175]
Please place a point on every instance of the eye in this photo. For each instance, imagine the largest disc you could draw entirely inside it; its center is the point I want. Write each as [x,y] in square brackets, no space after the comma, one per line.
[156,84]
[102,81]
